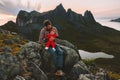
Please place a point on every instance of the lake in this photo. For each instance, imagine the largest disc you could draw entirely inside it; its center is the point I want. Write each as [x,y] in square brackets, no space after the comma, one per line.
[90,55]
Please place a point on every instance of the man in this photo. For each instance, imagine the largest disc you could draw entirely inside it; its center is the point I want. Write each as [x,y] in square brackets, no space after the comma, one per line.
[57,55]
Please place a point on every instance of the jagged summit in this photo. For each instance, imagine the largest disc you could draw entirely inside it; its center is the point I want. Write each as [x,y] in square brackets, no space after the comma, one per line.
[88,14]
[69,10]
[34,12]
[60,7]
[60,10]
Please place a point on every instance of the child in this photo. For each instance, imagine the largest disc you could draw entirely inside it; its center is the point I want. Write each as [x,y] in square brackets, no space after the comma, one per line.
[49,42]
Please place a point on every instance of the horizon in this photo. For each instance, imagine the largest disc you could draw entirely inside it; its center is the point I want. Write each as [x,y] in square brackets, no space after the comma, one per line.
[98,9]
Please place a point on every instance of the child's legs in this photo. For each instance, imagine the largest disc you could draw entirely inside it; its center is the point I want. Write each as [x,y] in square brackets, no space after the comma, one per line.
[47,44]
[53,44]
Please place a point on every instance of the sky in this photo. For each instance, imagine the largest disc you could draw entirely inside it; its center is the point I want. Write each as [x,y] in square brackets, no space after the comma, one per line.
[100,8]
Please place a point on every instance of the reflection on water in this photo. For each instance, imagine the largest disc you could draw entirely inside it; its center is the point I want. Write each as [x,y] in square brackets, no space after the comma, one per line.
[89,55]
[107,22]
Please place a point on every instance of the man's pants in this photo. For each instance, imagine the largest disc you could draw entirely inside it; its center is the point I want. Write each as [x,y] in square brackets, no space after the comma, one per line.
[57,56]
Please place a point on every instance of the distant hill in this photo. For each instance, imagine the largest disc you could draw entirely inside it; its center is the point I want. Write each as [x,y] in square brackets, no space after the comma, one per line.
[10,26]
[116,20]
[82,30]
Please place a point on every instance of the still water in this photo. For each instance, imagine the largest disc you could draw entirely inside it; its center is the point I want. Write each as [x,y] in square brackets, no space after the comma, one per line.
[90,55]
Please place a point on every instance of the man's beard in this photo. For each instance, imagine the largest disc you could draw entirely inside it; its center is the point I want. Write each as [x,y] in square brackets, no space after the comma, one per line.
[48,29]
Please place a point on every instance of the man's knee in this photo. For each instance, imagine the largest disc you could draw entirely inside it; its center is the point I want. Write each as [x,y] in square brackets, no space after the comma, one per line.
[59,50]
[51,51]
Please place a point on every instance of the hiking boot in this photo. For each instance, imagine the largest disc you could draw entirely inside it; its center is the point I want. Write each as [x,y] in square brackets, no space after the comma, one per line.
[59,73]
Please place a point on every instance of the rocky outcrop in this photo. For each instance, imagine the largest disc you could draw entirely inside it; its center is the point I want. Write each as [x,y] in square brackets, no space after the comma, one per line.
[22,18]
[25,21]
[100,75]
[89,16]
[71,15]
[35,52]
[59,11]
[33,62]
[9,66]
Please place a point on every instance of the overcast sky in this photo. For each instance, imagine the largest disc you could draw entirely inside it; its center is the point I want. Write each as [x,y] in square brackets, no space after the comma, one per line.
[100,8]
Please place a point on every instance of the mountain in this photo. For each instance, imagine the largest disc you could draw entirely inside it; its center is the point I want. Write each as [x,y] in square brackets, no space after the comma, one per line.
[82,30]
[30,23]
[10,26]
[116,20]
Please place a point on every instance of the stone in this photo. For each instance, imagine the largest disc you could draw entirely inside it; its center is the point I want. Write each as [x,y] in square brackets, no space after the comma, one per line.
[13,33]
[37,73]
[79,68]
[9,66]
[7,49]
[8,41]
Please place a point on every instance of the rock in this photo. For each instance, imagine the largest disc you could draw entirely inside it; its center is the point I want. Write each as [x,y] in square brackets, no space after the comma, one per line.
[8,41]
[7,49]
[9,66]
[19,78]
[5,31]
[37,73]
[34,59]
[100,75]
[65,43]
[13,33]
[70,58]
[30,51]
[68,44]
[79,68]
[35,51]
[16,39]
[41,59]
[83,77]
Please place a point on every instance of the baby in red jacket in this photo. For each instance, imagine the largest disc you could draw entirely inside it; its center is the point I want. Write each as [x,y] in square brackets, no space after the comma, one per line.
[49,42]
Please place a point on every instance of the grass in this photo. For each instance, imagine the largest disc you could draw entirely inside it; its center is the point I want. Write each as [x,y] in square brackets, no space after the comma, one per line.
[114,76]
[15,46]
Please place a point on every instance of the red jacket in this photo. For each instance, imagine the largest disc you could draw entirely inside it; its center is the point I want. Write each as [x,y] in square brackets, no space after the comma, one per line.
[49,35]
[52,43]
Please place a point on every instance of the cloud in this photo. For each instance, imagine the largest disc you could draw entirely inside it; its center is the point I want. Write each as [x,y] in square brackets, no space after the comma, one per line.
[12,7]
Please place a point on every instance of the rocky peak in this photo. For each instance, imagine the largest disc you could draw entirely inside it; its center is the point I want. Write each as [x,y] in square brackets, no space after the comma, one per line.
[88,15]
[60,7]
[22,12]
[60,10]
[22,18]
[71,15]
[34,12]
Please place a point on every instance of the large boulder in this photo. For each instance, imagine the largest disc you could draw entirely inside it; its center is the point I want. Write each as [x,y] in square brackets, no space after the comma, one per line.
[78,69]
[34,62]
[9,66]
[41,59]
[30,53]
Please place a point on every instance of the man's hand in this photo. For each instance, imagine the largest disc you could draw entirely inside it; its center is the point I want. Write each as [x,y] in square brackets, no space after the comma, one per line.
[52,38]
